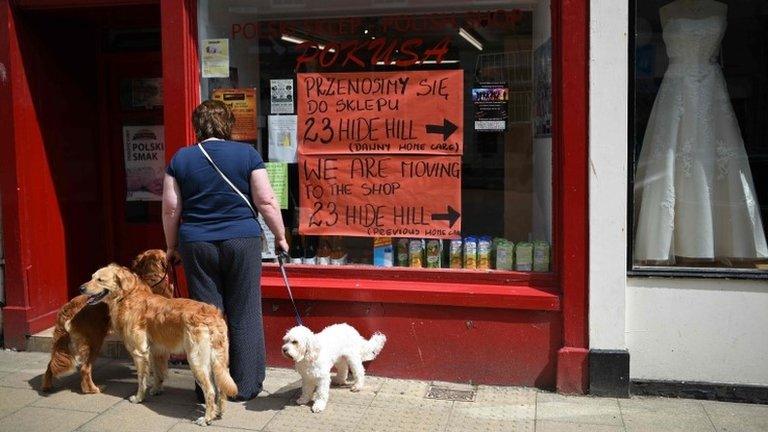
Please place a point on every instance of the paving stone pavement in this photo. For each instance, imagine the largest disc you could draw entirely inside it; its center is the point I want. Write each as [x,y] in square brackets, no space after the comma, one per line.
[384,404]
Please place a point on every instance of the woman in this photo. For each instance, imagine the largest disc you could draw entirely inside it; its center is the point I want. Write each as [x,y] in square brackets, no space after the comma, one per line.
[217,236]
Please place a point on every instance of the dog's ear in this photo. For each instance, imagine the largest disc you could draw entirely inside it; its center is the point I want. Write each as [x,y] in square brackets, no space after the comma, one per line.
[124,278]
[312,351]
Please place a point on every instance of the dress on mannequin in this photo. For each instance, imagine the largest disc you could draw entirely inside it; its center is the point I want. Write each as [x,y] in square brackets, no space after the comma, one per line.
[694,193]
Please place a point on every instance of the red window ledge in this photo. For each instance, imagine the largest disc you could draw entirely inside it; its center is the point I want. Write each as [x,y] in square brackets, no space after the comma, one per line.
[503,290]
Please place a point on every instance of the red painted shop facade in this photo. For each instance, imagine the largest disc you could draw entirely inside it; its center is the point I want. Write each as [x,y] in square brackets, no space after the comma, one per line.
[499,167]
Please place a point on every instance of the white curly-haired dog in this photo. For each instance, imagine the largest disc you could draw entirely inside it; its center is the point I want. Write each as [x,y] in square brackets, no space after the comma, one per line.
[337,345]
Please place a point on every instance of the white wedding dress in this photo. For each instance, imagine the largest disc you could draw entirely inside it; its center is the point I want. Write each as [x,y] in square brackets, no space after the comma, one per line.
[694,194]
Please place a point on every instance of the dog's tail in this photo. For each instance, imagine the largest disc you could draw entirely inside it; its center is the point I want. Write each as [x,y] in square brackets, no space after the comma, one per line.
[220,360]
[61,360]
[373,346]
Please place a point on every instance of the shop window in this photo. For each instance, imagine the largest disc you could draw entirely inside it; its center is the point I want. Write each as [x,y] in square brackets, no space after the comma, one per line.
[699,139]
[407,136]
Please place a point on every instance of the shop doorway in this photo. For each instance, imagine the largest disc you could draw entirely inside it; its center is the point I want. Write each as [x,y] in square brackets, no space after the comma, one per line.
[131,120]
[75,61]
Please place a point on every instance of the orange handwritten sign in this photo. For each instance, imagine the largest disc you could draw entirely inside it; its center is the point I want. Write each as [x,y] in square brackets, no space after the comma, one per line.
[380,195]
[416,112]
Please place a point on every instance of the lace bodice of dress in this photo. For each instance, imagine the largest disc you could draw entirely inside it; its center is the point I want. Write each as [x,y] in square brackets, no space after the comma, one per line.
[693,41]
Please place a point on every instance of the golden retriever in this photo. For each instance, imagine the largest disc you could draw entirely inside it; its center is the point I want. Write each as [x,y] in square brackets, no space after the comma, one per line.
[152,327]
[80,330]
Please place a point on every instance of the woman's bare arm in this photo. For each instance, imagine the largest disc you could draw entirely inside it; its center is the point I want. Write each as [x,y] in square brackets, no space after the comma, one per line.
[266,203]
[171,214]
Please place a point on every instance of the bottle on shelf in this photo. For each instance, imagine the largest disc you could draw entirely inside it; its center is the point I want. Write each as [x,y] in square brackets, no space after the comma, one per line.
[338,255]
[324,252]
[297,249]
[310,251]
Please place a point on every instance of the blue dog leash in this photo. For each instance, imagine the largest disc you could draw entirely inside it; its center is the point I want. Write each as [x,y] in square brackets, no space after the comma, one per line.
[281,258]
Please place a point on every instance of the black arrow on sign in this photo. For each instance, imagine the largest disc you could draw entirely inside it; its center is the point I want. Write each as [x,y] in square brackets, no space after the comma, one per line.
[452,216]
[447,128]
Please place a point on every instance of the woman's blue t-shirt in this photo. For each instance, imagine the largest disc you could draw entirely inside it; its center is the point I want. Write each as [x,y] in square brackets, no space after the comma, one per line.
[210,209]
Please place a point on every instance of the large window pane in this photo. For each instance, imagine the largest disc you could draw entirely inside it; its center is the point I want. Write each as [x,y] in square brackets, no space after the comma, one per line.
[701,140]
[497,62]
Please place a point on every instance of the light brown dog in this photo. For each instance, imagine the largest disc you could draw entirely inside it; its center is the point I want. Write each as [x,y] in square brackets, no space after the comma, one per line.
[80,330]
[152,327]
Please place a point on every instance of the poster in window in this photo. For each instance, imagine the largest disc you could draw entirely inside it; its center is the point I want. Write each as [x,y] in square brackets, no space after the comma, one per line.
[278,179]
[215,58]
[416,112]
[490,101]
[141,93]
[282,138]
[542,90]
[242,102]
[281,96]
[380,153]
[378,195]
[144,162]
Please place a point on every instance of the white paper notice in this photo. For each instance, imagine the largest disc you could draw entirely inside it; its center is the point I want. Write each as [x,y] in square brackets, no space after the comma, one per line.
[144,162]
[282,138]
[215,58]
[281,96]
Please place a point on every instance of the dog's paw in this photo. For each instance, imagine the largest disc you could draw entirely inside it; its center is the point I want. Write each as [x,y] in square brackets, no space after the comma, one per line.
[201,421]
[135,399]
[356,387]
[318,406]
[92,390]
[302,400]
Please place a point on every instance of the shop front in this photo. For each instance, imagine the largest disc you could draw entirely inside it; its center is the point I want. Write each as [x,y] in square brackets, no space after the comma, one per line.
[430,159]
[678,185]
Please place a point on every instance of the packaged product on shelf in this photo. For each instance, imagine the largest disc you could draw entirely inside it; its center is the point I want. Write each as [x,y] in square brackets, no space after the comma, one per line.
[454,254]
[494,247]
[505,255]
[402,252]
[338,255]
[524,256]
[484,253]
[541,256]
[382,251]
[324,252]
[470,252]
[434,253]
[416,252]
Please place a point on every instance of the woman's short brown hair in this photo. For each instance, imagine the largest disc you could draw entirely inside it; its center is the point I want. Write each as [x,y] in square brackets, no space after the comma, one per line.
[213,119]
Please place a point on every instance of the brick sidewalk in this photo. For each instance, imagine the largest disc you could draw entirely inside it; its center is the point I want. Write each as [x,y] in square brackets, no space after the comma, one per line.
[384,405]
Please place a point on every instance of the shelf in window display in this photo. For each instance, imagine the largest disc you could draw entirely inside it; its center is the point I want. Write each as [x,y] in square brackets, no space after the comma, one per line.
[369,284]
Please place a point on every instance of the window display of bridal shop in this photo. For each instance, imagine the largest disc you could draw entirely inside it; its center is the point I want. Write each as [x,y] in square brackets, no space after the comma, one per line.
[396,135]
[700,143]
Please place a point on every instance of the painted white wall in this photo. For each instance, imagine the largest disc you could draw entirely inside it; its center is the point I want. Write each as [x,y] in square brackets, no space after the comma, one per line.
[607,172]
[707,330]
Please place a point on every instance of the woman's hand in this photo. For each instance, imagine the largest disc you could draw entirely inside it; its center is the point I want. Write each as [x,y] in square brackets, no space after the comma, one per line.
[282,245]
[172,256]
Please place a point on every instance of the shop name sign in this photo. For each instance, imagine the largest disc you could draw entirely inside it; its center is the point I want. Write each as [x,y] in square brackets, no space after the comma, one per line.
[380,195]
[373,52]
[380,153]
[389,24]
[408,112]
